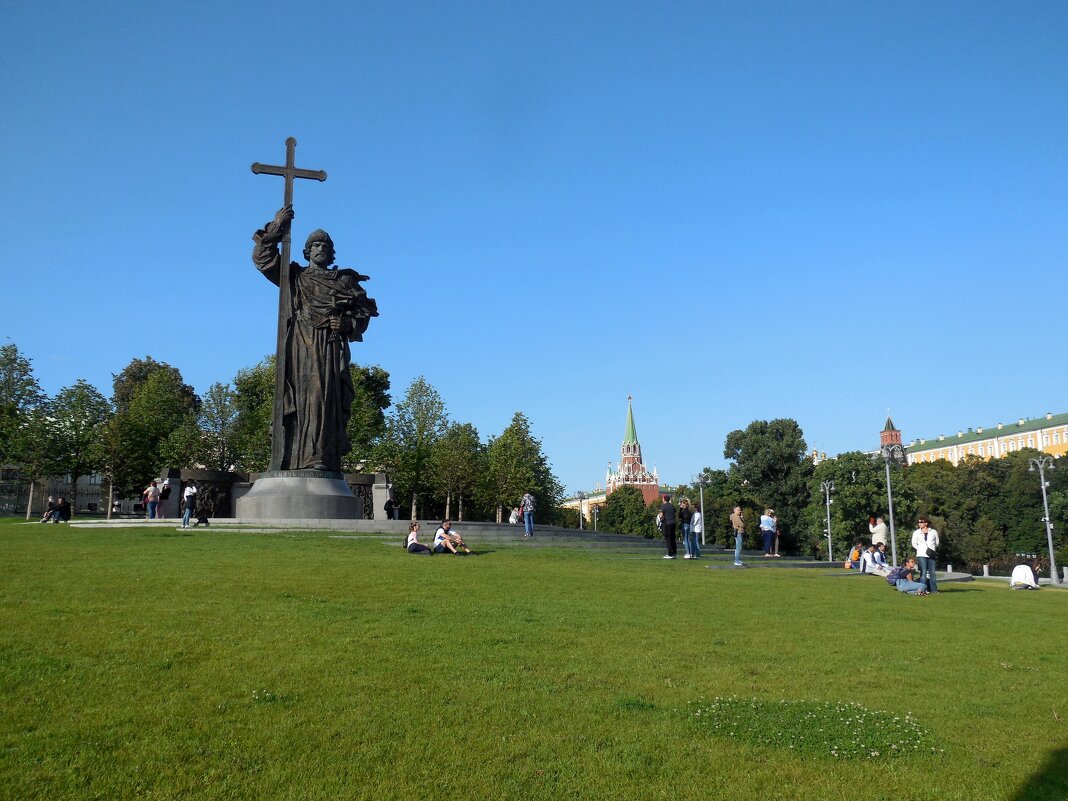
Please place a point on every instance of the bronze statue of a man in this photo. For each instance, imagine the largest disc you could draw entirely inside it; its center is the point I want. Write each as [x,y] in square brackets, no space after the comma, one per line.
[328,309]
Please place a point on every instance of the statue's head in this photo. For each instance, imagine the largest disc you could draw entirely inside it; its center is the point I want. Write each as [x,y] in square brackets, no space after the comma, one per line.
[319,235]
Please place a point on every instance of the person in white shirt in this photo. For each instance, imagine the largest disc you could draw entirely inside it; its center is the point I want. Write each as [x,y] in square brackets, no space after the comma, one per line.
[869,562]
[412,544]
[1023,578]
[445,539]
[878,530]
[697,528]
[767,531]
[925,543]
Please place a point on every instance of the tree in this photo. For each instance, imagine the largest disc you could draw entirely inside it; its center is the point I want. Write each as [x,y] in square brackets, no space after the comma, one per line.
[218,421]
[515,464]
[254,402]
[412,430]
[624,512]
[859,495]
[367,423]
[34,444]
[78,414]
[983,542]
[19,393]
[455,465]
[722,491]
[185,446]
[132,442]
[770,460]
[126,384]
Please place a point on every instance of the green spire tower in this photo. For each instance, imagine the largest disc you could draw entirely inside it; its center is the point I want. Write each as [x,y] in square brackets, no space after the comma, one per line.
[631,470]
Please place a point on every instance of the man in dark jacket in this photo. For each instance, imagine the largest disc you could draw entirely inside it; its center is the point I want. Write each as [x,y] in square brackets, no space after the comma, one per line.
[668,510]
[61,514]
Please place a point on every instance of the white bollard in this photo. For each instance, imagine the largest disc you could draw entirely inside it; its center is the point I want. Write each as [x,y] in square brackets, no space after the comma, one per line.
[986,571]
[949,568]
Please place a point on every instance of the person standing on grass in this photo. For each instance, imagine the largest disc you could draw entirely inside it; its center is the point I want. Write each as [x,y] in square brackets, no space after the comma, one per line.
[685,519]
[877,527]
[697,528]
[925,542]
[151,498]
[738,525]
[767,531]
[668,510]
[528,505]
[189,503]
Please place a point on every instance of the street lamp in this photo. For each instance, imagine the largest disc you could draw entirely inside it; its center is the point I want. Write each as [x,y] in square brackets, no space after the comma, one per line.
[596,509]
[702,479]
[581,497]
[1042,463]
[896,453]
[828,488]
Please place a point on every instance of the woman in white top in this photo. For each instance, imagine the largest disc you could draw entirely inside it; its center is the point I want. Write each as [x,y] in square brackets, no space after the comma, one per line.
[925,541]
[413,545]
[697,527]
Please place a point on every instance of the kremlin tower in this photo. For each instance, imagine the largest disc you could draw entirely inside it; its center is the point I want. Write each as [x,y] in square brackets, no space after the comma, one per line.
[631,470]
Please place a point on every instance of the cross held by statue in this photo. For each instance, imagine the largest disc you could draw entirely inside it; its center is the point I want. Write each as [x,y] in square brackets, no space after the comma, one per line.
[289,171]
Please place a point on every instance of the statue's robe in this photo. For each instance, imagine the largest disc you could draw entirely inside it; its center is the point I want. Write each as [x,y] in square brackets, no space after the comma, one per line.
[318,384]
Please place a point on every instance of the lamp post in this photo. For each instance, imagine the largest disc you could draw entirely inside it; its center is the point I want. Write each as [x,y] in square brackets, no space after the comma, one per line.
[891,453]
[702,479]
[596,509]
[581,497]
[1042,463]
[828,488]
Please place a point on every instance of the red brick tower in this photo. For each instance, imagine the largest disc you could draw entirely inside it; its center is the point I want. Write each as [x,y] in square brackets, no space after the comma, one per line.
[889,435]
[631,470]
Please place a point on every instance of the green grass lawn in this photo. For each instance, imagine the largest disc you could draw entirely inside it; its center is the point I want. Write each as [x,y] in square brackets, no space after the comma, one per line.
[151,664]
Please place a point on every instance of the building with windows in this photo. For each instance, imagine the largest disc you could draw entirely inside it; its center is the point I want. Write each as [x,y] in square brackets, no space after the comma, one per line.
[1048,434]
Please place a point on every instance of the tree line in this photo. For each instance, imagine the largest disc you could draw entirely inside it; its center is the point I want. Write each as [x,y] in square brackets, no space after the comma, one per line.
[153,420]
[985,511]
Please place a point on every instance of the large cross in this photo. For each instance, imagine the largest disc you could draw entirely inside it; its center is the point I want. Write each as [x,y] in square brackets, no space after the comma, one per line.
[289,172]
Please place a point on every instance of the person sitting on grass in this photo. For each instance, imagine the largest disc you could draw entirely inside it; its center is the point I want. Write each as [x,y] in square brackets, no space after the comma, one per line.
[880,555]
[853,562]
[445,539]
[877,561]
[61,514]
[49,510]
[868,563]
[1023,577]
[903,578]
[412,544]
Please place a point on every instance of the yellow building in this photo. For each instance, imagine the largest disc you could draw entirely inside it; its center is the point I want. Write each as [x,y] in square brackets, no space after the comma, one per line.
[1048,434]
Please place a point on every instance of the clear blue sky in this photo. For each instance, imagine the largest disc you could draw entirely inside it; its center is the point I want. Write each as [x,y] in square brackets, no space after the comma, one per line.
[732,211]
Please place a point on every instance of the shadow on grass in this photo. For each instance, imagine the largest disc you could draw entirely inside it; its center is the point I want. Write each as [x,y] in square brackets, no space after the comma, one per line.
[1051,781]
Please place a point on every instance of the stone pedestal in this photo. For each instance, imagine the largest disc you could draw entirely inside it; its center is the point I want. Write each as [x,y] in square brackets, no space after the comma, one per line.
[299,494]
